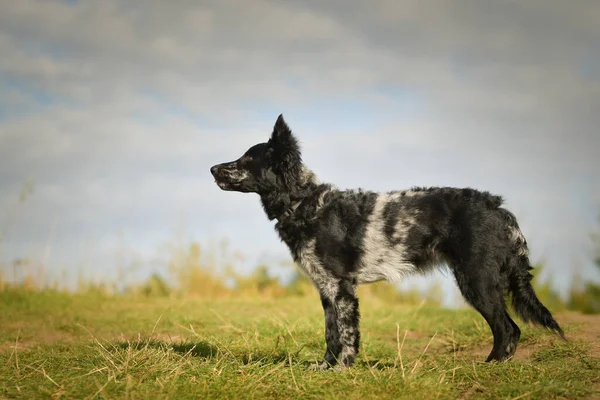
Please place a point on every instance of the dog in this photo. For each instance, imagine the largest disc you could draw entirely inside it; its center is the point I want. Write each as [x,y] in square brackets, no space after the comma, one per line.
[343,238]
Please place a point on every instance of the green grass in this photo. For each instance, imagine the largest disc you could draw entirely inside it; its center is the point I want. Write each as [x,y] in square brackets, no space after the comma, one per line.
[57,345]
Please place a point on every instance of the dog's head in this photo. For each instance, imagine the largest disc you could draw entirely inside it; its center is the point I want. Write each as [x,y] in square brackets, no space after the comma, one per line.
[274,166]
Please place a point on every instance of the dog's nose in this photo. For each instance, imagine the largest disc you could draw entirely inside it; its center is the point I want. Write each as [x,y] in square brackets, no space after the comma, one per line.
[213,169]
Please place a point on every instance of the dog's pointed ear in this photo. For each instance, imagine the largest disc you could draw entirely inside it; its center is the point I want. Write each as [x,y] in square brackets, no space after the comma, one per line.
[281,130]
[286,152]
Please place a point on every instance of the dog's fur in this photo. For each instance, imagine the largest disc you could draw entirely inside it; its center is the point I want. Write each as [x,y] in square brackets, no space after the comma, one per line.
[344,238]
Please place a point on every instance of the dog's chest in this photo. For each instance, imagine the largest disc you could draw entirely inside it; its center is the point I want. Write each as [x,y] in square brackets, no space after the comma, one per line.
[311,265]
[308,261]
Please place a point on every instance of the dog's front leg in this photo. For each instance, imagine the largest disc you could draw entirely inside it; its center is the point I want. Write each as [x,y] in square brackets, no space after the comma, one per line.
[332,336]
[348,316]
[341,326]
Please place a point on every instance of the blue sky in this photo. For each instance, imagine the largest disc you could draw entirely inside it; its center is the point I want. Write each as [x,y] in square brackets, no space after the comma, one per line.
[115,111]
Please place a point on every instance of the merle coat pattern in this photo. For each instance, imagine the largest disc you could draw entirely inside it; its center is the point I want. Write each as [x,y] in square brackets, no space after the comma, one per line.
[342,238]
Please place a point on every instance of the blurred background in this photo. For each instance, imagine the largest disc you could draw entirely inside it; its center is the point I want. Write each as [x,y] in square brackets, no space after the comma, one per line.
[112,112]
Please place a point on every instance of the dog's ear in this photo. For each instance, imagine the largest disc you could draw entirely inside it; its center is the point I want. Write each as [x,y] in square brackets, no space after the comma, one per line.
[286,153]
[282,136]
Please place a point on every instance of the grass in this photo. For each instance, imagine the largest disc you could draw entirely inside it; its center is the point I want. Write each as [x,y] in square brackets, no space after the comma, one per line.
[60,345]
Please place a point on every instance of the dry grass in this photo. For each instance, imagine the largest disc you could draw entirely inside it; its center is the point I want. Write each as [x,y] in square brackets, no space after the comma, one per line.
[58,345]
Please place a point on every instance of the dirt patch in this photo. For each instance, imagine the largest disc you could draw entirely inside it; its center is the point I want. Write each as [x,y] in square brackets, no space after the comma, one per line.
[587,329]
[26,343]
[578,326]
[50,337]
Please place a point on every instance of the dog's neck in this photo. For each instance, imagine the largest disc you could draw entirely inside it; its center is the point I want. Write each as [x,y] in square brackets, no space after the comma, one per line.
[290,210]
[281,205]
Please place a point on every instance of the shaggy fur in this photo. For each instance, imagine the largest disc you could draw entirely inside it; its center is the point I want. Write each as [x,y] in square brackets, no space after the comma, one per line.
[344,238]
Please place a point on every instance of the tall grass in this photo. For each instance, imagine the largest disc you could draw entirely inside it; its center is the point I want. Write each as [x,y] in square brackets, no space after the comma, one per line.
[194,271]
[202,273]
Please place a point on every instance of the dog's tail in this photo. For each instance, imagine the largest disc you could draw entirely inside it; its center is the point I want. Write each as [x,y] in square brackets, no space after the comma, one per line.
[524,300]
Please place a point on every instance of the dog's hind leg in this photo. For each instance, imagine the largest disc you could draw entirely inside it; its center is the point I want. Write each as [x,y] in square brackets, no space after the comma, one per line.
[486,295]
[514,339]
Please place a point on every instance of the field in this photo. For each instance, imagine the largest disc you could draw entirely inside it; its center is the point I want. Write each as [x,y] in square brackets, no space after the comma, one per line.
[59,345]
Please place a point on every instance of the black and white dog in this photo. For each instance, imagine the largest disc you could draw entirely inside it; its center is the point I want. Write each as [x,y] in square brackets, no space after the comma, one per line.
[343,238]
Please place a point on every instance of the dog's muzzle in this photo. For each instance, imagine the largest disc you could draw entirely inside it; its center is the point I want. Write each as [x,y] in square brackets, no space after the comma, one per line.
[224,175]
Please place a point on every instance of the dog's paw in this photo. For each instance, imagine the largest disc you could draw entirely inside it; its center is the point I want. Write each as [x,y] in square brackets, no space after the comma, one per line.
[322,366]
[340,368]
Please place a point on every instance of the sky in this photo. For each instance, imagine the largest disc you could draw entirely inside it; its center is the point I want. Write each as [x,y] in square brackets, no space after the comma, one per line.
[112,112]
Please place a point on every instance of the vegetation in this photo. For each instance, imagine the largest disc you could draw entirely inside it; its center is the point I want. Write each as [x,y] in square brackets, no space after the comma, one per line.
[194,335]
[92,345]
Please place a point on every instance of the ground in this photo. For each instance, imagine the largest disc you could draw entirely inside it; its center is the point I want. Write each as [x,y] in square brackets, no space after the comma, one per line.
[55,345]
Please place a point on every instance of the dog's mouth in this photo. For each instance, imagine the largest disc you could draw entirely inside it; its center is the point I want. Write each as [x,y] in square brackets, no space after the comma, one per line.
[223,183]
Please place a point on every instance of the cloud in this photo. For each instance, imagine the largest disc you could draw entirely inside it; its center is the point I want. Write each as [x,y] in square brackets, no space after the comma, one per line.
[117,109]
